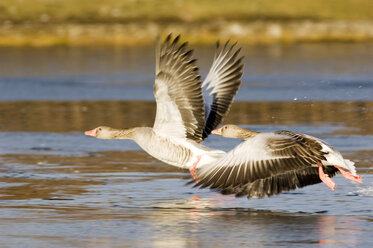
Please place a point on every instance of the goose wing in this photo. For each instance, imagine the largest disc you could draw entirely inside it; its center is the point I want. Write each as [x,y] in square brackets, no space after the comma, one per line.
[266,164]
[177,90]
[286,181]
[221,85]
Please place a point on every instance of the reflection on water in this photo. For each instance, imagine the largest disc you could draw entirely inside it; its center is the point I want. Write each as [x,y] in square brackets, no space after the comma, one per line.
[306,60]
[60,188]
[175,227]
[36,116]
[323,72]
[111,198]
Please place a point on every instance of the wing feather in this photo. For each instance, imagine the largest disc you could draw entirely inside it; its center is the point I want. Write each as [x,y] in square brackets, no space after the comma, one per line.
[266,164]
[177,90]
[221,85]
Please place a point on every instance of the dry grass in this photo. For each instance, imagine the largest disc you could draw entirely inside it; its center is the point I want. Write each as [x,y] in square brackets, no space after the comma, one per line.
[124,11]
[92,22]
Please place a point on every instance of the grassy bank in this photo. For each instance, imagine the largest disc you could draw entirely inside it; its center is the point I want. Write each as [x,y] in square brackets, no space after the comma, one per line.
[83,22]
[97,11]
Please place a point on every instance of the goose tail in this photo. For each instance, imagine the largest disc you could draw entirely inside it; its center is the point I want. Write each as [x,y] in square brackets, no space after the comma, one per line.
[350,166]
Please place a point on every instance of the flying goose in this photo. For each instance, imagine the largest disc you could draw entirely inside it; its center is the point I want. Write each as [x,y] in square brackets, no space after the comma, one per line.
[269,163]
[182,120]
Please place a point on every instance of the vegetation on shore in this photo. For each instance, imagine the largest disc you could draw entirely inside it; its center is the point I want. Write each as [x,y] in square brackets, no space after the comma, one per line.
[51,22]
[97,11]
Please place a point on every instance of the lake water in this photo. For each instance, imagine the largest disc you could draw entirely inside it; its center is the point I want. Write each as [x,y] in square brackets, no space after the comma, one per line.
[59,188]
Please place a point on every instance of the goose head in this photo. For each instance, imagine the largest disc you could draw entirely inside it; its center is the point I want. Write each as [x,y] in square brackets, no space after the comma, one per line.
[233,131]
[101,132]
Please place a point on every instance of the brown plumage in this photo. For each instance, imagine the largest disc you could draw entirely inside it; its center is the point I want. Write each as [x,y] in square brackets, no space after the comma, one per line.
[273,185]
[222,83]
[178,90]
[181,119]
[178,83]
[270,163]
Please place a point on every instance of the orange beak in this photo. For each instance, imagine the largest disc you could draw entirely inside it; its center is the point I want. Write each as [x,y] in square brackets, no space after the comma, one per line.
[217,131]
[91,133]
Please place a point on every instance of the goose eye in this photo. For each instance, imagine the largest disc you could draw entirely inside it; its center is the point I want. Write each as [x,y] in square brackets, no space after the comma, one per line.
[99,129]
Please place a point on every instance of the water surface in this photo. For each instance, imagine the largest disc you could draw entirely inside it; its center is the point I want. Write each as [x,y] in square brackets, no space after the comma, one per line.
[59,188]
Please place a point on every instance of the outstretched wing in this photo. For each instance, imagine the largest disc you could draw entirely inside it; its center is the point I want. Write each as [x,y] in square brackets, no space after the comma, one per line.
[221,85]
[286,181]
[266,164]
[177,90]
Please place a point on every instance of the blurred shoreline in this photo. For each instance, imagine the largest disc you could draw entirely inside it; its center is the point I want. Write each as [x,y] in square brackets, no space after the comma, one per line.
[143,33]
[140,22]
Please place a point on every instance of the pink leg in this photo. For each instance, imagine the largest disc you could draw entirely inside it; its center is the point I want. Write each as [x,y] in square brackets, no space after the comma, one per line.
[192,169]
[348,175]
[325,178]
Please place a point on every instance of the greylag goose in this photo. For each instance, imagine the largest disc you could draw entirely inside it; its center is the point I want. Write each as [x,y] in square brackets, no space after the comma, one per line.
[269,163]
[182,120]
